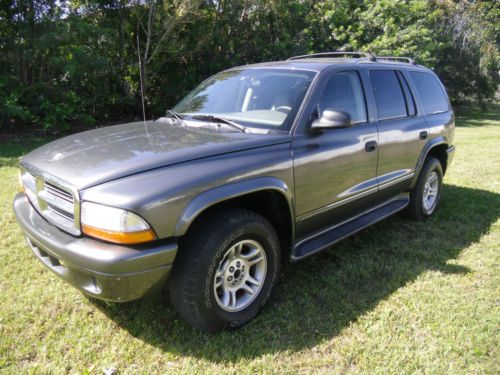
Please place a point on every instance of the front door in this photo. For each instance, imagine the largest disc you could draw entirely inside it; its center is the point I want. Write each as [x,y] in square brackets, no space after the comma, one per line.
[335,170]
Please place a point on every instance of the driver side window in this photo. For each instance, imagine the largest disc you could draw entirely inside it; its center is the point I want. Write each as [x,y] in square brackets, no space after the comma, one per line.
[343,92]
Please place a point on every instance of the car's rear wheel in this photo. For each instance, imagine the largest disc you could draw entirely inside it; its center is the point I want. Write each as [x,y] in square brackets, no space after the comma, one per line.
[225,270]
[426,195]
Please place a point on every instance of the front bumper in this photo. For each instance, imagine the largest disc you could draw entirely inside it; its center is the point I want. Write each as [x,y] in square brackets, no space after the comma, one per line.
[102,270]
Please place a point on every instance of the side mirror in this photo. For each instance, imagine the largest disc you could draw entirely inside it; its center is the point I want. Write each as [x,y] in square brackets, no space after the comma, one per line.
[331,119]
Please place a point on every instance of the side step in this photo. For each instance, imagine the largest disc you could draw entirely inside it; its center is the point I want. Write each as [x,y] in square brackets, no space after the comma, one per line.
[324,239]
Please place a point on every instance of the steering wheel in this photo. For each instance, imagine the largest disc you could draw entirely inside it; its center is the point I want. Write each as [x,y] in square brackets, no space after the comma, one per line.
[283,108]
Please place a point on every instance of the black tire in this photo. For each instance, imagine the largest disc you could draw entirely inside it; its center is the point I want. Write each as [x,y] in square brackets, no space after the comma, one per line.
[416,209]
[191,283]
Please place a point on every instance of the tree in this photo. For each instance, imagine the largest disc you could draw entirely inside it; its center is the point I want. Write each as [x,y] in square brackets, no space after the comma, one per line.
[67,63]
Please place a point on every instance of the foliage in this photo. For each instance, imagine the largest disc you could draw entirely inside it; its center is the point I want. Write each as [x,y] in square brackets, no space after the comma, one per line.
[67,63]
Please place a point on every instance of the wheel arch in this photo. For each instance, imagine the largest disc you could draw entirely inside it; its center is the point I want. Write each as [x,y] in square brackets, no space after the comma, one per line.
[268,196]
[436,148]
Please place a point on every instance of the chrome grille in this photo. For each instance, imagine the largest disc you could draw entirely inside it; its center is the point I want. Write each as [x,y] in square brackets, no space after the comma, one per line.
[53,198]
[54,190]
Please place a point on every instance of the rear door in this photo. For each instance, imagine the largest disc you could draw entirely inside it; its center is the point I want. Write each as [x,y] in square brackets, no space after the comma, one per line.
[435,104]
[402,131]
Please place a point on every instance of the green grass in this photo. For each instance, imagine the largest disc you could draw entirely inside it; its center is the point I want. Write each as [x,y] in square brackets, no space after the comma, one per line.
[399,297]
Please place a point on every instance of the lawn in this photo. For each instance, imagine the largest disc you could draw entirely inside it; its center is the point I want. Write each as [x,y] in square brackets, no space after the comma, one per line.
[399,297]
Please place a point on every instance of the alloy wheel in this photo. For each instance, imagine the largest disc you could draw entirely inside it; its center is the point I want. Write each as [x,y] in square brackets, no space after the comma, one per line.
[240,275]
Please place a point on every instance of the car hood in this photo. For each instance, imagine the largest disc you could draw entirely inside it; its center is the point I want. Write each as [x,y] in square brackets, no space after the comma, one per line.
[89,158]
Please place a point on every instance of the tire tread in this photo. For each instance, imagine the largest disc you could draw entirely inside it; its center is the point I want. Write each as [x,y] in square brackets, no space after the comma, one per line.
[193,251]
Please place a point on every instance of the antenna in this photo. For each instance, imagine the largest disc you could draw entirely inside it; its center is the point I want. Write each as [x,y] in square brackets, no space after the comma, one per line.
[140,79]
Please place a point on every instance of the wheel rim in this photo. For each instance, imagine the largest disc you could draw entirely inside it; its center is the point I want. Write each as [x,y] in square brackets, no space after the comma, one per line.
[240,275]
[431,193]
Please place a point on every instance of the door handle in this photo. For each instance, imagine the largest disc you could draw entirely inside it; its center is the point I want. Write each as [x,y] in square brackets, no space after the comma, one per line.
[370,146]
[423,135]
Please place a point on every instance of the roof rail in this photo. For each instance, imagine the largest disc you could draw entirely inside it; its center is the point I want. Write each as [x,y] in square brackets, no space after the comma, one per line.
[367,55]
[408,60]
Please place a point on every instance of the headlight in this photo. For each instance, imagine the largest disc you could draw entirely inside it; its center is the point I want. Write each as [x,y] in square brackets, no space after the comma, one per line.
[114,224]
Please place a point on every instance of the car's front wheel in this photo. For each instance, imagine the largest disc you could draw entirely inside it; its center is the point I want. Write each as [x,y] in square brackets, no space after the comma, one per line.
[225,270]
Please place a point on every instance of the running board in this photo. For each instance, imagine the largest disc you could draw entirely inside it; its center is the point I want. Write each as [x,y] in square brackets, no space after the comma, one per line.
[324,239]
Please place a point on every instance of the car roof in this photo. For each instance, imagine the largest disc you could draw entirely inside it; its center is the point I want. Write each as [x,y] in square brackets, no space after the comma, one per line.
[318,64]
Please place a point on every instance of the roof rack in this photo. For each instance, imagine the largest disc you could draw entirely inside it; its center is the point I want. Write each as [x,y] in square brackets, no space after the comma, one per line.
[367,55]
[409,60]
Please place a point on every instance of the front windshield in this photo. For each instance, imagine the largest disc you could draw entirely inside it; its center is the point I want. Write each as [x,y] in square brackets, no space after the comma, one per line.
[256,98]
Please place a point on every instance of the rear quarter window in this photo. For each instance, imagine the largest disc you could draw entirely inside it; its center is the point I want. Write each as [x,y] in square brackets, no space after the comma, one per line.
[432,95]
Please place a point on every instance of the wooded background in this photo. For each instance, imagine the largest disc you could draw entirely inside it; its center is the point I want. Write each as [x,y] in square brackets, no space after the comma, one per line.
[67,65]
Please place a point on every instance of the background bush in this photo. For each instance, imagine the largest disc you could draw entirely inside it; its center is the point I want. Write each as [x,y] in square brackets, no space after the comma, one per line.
[74,63]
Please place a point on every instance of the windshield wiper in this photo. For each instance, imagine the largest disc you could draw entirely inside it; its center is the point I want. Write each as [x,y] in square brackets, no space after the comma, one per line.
[176,115]
[221,120]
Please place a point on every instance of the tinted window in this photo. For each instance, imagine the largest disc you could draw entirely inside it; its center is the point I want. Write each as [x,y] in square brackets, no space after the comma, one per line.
[431,93]
[262,98]
[343,92]
[388,94]
[410,102]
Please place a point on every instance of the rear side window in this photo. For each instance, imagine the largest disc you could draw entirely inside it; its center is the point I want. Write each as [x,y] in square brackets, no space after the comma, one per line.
[343,92]
[434,99]
[389,95]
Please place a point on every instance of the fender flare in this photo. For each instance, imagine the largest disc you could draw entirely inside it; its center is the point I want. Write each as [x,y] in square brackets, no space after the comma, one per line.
[222,193]
[423,155]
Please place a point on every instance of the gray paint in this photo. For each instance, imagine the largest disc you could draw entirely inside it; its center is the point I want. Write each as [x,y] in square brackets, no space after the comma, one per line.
[96,156]
[170,174]
[162,195]
[106,271]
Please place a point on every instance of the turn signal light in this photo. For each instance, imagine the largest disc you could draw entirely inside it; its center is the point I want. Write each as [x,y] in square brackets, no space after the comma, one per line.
[120,237]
